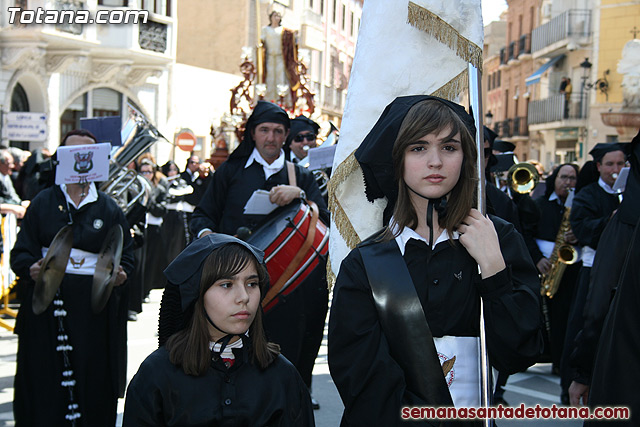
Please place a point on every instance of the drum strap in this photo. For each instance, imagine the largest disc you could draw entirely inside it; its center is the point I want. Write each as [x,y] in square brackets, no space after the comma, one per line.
[291,172]
[297,260]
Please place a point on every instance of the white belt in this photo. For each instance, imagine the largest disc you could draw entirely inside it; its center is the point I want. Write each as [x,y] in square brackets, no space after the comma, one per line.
[80,262]
[181,207]
[464,377]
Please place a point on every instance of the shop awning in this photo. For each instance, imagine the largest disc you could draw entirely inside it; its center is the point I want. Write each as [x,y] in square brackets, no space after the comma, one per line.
[535,77]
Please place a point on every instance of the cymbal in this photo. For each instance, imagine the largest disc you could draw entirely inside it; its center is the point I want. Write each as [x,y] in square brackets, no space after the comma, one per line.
[52,269]
[107,268]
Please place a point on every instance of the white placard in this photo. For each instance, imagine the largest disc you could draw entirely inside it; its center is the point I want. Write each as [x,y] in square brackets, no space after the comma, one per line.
[621,181]
[83,163]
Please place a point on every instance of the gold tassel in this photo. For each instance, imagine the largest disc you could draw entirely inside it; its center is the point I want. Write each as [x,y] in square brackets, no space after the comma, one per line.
[338,215]
[432,24]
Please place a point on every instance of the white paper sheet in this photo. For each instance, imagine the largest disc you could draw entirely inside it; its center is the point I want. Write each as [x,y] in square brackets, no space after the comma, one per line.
[259,204]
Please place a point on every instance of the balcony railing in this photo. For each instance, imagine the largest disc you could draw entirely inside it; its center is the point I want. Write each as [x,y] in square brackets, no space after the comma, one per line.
[503,56]
[153,36]
[524,44]
[573,23]
[520,126]
[557,108]
[516,126]
[512,50]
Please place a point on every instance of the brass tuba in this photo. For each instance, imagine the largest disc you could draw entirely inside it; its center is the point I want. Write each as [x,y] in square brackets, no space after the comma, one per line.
[523,177]
[563,254]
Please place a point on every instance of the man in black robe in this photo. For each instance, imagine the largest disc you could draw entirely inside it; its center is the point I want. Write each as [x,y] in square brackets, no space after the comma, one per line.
[593,207]
[620,342]
[296,323]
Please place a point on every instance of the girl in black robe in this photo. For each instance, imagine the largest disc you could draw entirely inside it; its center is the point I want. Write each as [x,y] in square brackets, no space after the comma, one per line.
[85,365]
[216,368]
[418,278]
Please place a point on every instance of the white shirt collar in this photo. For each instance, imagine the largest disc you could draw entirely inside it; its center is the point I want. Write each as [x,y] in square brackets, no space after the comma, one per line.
[554,196]
[92,195]
[407,234]
[606,187]
[269,169]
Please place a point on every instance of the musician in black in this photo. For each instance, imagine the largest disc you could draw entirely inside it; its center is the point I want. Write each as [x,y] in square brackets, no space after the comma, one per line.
[593,207]
[407,300]
[302,136]
[296,323]
[551,207]
[71,363]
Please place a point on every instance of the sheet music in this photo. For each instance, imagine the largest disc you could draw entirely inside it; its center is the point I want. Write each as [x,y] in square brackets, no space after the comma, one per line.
[621,181]
[321,157]
[259,204]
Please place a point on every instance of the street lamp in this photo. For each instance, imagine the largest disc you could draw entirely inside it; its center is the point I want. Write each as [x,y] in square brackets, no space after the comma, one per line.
[488,118]
[586,69]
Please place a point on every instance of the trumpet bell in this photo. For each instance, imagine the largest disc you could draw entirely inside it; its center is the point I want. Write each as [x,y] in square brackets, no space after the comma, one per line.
[52,270]
[523,177]
[107,268]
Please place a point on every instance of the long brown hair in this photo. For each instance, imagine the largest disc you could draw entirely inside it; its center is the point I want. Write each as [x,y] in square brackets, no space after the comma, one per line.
[189,348]
[432,116]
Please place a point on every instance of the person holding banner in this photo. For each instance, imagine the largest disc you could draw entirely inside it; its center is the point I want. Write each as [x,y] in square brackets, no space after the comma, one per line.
[71,362]
[406,304]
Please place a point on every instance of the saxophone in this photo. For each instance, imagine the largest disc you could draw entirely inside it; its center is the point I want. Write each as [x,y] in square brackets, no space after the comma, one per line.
[563,254]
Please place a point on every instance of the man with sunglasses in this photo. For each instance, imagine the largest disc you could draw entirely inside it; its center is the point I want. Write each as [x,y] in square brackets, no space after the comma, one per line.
[302,137]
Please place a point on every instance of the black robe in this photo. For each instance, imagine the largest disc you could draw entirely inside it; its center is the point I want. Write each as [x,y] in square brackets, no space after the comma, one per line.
[296,323]
[161,394]
[590,214]
[372,385]
[99,340]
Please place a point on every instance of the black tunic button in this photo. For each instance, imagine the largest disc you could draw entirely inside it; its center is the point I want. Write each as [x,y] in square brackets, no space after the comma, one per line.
[227,402]
[227,379]
[435,282]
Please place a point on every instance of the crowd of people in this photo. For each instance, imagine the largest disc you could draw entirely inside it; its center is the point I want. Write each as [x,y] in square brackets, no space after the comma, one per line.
[238,340]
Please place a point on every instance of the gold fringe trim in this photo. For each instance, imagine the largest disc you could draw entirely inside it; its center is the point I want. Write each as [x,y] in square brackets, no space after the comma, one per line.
[331,278]
[338,215]
[454,87]
[432,24]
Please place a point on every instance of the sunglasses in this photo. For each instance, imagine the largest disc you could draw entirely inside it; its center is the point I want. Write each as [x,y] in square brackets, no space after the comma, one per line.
[308,136]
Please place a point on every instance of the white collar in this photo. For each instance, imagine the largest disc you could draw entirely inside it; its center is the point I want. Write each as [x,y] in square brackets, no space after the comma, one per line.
[606,187]
[92,195]
[269,169]
[554,196]
[407,234]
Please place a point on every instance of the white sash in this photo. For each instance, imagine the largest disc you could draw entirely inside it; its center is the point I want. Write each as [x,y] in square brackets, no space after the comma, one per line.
[80,262]
[464,377]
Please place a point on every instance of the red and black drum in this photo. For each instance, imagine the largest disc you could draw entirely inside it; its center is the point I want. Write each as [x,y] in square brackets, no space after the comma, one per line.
[294,240]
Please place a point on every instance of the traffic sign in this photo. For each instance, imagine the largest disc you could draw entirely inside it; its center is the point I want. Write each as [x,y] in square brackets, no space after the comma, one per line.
[186,141]
[25,126]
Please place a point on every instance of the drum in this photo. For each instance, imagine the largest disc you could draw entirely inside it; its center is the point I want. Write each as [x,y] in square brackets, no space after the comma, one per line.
[294,241]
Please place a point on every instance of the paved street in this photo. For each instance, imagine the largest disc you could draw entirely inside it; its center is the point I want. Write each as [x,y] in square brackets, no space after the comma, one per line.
[534,386]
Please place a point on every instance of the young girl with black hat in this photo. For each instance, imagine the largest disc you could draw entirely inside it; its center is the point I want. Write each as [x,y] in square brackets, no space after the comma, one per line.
[406,304]
[216,367]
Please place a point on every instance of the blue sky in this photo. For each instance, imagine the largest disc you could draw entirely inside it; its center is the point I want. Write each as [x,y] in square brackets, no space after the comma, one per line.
[491,10]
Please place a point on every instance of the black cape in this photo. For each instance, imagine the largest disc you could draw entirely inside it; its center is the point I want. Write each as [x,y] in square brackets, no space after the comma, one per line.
[99,340]
[371,383]
[161,394]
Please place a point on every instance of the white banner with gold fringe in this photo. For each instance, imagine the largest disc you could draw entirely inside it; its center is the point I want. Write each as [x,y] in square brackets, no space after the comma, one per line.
[419,47]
